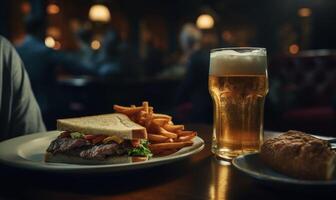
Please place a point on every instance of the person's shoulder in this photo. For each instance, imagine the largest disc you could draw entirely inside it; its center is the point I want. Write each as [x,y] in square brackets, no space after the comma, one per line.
[2,38]
[9,59]
[4,42]
[6,48]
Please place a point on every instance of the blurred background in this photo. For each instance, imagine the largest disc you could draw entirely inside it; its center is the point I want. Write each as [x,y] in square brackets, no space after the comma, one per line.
[83,56]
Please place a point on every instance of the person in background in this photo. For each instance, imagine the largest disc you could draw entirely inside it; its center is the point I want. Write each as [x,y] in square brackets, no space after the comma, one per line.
[19,112]
[108,58]
[42,63]
[193,102]
[85,53]
[190,41]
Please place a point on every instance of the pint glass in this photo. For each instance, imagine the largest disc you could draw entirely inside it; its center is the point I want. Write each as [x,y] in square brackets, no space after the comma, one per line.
[238,84]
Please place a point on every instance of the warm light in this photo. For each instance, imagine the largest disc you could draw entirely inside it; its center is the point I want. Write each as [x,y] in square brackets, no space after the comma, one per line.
[95,44]
[205,21]
[25,7]
[57,45]
[99,13]
[294,49]
[49,42]
[220,176]
[304,12]
[53,9]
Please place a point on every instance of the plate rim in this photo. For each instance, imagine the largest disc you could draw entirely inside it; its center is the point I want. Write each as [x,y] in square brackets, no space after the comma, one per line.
[38,166]
[270,178]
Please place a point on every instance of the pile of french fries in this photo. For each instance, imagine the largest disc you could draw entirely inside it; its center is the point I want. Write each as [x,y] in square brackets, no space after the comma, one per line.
[163,135]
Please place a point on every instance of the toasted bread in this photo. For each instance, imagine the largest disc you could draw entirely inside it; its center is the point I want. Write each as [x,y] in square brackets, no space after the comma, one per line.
[109,124]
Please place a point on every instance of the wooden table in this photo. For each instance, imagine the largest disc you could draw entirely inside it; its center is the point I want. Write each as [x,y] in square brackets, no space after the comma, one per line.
[199,177]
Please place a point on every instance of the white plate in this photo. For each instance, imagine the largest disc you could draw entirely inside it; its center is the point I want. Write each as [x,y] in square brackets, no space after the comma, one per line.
[28,152]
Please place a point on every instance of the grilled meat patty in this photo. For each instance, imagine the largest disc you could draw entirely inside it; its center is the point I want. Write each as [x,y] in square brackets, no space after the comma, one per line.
[66,144]
[84,149]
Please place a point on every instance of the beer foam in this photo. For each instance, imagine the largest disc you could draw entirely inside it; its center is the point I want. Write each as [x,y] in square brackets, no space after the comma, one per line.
[230,62]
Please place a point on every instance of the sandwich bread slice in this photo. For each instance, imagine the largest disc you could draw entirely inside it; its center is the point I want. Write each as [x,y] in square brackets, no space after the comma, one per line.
[115,124]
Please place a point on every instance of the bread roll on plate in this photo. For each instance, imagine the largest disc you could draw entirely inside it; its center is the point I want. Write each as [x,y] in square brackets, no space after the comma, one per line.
[299,155]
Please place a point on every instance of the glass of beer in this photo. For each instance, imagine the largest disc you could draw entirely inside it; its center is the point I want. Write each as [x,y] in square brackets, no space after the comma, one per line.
[238,84]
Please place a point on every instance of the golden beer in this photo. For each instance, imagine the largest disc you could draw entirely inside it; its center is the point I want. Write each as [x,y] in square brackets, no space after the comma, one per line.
[238,85]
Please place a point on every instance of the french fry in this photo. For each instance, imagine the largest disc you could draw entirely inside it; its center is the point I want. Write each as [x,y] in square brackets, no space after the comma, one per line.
[138,117]
[167,133]
[170,140]
[165,138]
[186,133]
[150,110]
[153,128]
[160,121]
[141,122]
[127,110]
[156,115]
[173,128]
[149,115]
[142,113]
[172,145]
[145,106]
[186,138]
[148,122]
[157,138]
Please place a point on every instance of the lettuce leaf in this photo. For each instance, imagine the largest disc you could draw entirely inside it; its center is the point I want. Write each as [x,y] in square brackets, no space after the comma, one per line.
[76,135]
[142,150]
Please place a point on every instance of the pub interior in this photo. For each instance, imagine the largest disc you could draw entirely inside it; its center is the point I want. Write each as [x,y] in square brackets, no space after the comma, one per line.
[123,52]
[83,57]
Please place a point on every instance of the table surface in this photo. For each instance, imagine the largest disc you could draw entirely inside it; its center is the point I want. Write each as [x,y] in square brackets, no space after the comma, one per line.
[199,177]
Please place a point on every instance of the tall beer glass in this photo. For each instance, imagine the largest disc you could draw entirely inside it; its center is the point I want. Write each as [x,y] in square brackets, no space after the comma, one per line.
[238,85]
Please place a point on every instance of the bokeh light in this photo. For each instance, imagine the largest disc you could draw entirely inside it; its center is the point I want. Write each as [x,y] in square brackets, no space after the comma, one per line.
[99,13]
[95,44]
[25,7]
[304,12]
[294,49]
[50,42]
[205,21]
[53,9]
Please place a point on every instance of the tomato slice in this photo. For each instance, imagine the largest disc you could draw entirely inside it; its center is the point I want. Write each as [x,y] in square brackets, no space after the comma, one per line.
[135,142]
[98,139]
[90,137]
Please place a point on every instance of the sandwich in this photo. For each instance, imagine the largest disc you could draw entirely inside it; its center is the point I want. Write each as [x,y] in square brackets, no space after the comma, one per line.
[101,139]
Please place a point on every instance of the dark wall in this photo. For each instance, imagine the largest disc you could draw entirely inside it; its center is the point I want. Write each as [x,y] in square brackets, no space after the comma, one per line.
[4,18]
[324,30]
